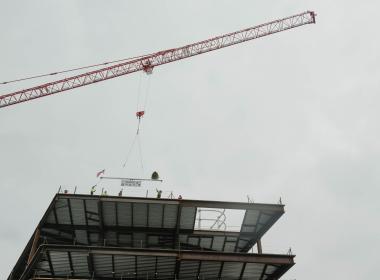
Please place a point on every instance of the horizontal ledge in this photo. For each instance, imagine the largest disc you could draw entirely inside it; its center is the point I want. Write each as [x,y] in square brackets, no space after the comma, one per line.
[150,230]
[180,255]
[181,202]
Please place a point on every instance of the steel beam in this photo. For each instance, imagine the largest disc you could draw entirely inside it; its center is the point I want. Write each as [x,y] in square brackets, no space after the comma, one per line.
[182,202]
[34,245]
[182,255]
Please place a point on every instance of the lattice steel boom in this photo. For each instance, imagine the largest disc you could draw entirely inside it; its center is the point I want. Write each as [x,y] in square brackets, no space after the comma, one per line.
[147,63]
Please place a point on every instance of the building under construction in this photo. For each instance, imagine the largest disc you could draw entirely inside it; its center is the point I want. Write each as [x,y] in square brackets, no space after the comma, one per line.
[114,237]
[105,237]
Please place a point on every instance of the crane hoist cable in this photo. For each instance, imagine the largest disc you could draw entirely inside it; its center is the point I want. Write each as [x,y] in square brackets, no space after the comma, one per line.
[141,156]
[141,109]
[130,150]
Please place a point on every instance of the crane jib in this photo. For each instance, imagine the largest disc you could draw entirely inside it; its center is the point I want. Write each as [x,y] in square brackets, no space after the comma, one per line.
[147,63]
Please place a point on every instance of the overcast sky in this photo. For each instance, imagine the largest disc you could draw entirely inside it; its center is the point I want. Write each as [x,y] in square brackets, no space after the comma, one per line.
[294,115]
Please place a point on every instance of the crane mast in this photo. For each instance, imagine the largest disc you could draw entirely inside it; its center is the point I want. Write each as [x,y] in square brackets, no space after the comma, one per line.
[147,63]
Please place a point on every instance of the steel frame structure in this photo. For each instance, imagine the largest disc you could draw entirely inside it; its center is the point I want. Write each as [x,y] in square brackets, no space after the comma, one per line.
[103,227]
[148,62]
[282,263]
[65,233]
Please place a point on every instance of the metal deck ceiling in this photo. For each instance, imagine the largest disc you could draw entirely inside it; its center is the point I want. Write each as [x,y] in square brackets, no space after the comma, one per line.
[105,263]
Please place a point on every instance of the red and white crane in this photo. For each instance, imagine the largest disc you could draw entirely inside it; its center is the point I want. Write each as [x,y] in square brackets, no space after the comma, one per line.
[148,62]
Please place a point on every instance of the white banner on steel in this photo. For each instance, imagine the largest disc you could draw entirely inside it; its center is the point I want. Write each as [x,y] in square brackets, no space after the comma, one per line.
[130,183]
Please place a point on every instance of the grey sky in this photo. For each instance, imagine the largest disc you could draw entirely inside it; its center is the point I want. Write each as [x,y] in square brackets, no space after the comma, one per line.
[292,115]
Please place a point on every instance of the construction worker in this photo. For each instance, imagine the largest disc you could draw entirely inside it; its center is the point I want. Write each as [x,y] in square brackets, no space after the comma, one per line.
[159,193]
[93,190]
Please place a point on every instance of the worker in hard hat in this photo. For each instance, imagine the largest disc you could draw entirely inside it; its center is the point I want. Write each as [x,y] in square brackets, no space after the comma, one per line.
[159,193]
[93,190]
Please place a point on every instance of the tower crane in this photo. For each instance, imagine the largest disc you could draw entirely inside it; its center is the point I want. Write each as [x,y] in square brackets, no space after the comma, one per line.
[148,62]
